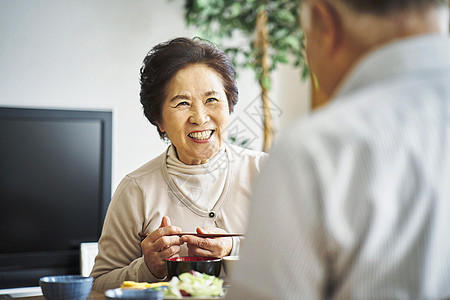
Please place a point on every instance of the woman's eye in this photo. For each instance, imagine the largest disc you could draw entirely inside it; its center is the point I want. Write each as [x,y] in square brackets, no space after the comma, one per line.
[184,103]
[211,100]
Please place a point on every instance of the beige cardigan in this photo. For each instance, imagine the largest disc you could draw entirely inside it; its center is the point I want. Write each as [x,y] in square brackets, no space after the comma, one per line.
[147,194]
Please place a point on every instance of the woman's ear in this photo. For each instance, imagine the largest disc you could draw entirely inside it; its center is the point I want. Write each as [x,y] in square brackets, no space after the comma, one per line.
[160,127]
[327,25]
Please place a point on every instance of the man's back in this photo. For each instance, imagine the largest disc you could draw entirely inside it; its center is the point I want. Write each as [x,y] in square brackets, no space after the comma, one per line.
[387,197]
[361,191]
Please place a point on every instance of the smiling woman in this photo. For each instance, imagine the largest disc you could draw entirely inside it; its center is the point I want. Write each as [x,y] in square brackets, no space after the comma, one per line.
[199,183]
[195,113]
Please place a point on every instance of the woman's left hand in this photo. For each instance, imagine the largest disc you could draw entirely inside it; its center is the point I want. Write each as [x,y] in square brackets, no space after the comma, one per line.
[209,247]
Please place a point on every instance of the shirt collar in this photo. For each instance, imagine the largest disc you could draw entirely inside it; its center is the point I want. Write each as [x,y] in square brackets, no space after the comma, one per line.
[427,52]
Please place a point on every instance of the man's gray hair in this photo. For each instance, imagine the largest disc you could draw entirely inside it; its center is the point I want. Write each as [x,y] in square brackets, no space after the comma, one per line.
[382,7]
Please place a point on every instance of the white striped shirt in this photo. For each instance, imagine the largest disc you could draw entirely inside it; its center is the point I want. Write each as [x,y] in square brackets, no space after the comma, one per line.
[354,201]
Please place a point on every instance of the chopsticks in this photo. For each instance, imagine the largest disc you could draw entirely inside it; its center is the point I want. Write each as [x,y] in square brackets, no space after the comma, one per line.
[203,235]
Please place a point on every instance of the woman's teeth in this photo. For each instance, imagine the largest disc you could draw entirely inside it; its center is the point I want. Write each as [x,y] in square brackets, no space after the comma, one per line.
[201,135]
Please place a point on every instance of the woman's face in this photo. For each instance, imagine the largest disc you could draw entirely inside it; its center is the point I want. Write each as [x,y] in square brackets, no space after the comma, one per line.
[195,113]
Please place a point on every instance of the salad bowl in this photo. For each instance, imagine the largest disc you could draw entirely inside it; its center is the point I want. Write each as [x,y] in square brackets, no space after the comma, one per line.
[179,265]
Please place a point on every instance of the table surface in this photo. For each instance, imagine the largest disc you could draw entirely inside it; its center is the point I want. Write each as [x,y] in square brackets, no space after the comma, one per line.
[93,295]
[98,295]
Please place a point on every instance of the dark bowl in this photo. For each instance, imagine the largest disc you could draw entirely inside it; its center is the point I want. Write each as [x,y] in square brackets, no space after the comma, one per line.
[70,287]
[178,265]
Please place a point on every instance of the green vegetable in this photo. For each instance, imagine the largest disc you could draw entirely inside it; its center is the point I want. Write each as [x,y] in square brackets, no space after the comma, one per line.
[195,284]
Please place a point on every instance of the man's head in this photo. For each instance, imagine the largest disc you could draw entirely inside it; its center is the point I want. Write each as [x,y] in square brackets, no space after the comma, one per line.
[339,32]
[386,7]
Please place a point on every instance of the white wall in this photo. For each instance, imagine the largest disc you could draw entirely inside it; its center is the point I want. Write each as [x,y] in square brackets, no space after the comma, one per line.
[86,54]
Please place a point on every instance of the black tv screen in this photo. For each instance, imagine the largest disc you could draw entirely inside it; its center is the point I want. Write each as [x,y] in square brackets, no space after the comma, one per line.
[55,186]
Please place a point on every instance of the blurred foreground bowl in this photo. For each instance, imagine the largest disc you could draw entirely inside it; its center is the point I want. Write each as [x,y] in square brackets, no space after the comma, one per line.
[178,265]
[128,294]
[229,264]
[70,287]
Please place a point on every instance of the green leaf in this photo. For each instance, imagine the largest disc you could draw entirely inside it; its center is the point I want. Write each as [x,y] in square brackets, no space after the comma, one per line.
[235,10]
[285,16]
[266,82]
[293,41]
[282,58]
[220,20]
[305,73]
[202,4]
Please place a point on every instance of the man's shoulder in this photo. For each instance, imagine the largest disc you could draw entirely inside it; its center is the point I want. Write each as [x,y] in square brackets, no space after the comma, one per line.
[338,124]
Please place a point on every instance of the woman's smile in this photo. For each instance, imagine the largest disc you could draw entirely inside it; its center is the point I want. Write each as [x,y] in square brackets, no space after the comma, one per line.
[201,136]
[195,113]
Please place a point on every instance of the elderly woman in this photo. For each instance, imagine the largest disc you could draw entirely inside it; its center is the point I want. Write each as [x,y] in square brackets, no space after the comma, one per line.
[199,183]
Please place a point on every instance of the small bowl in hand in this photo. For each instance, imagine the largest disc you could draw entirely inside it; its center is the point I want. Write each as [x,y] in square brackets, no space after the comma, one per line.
[70,287]
[178,265]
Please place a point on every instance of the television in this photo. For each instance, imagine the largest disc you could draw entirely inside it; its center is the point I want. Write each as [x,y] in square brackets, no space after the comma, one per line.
[55,187]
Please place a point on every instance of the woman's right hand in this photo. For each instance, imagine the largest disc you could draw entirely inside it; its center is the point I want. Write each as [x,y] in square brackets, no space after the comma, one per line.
[159,245]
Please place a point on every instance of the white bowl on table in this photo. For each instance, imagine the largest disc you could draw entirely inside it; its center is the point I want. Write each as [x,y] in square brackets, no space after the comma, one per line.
[229,264]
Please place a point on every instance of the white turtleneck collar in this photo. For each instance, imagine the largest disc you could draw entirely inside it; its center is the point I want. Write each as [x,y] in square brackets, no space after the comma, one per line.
[201,184]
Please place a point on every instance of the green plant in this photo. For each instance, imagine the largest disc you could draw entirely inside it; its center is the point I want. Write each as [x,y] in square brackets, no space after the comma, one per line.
[267,33]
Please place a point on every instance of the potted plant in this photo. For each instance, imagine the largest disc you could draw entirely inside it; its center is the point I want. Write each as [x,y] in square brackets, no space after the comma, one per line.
[268,33]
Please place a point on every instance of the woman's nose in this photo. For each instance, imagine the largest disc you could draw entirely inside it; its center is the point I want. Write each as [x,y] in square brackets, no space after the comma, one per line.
[199,116]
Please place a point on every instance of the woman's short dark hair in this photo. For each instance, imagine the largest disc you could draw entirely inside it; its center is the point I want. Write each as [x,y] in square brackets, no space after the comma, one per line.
[166,59]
